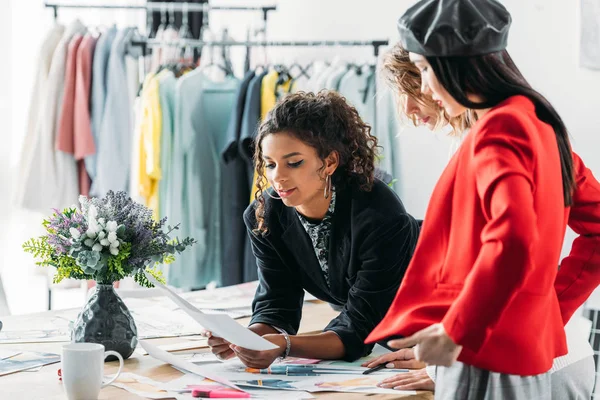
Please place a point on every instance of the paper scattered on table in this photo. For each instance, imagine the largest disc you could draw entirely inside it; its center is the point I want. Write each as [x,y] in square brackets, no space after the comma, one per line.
[256,393]
[201,358]
[8,353]
[25,361]
[55,326]
[335,381]
[142,386]
[220,325]
[298,360]
[183,364]
[378,350]
[192,343]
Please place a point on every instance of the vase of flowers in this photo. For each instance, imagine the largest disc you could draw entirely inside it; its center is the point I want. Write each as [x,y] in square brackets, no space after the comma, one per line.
[106,240]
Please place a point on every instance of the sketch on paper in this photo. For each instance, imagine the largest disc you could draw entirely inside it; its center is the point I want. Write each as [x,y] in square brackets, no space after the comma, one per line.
[26,360]
[589,56]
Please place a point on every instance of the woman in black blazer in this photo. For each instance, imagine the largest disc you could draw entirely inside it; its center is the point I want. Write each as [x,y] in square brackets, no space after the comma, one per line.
[326,226]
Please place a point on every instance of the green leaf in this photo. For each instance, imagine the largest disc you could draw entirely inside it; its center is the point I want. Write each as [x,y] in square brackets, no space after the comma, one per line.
[40,248]
[141,279]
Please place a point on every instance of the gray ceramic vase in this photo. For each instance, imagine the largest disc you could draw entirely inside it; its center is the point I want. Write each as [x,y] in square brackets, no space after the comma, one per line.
[105,319]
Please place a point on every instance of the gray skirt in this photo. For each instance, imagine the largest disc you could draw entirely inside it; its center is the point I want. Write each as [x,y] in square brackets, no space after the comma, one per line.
[465,382]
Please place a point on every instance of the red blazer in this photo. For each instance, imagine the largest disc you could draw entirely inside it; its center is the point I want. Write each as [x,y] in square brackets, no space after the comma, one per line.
[485,263]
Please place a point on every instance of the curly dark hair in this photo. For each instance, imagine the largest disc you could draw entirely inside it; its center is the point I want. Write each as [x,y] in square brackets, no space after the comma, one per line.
[326,122]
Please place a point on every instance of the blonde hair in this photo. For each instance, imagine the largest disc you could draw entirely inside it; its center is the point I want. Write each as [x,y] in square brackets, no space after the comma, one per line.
[404,78]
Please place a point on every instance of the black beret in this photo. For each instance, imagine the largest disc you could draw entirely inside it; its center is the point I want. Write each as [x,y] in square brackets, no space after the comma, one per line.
[445,28]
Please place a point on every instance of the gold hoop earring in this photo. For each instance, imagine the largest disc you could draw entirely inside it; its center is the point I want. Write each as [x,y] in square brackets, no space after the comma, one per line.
[327,190]
[271,196]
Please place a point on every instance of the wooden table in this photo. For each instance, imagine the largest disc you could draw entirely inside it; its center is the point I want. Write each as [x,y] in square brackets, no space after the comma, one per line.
[44,384]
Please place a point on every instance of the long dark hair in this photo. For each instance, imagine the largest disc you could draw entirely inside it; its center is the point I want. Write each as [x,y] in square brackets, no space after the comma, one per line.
[326,122]
[495,77]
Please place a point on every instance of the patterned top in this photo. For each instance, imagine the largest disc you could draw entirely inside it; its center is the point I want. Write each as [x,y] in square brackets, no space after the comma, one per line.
[319,234]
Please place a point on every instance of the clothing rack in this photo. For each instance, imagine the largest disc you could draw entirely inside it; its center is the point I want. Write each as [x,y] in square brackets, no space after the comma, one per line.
[149,43]
[164,7]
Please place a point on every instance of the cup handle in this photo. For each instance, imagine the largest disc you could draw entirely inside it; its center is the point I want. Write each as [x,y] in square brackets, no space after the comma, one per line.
[113,353]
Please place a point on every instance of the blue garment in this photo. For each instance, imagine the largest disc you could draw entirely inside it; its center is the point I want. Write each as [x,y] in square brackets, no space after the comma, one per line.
[235,193]
[203,108]
[249,129]
[116,132]
[98,92]
[167,84]
[250,123]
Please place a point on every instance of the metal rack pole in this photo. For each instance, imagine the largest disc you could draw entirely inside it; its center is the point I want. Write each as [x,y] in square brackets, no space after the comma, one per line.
[268,43]
[172,7]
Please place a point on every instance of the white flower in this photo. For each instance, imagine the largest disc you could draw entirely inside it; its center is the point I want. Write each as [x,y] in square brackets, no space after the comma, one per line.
[97,247]
[89,242]
[101,235]
[112,237]
[114,251]
[111,226]
[101,221]
[91,233]
[92,213]
[104,242]
[116,243]
[74,233]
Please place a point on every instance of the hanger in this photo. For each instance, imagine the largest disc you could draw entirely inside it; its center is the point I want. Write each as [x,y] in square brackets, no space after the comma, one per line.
[163,18]
[303,71]
[226,53]
[185,32]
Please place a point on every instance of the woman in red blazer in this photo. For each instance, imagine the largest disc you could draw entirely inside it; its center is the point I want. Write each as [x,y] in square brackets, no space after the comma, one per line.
[481,286]
[573,375]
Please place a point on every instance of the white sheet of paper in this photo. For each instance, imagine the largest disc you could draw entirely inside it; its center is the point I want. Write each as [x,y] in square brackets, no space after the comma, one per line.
[8,354]
[136,384]
[220,325]
[190,344]
[186,365]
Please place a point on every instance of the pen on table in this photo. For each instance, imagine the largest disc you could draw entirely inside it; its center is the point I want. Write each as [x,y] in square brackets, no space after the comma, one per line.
[374,369]
[220,394]
[382,366]
[301,370]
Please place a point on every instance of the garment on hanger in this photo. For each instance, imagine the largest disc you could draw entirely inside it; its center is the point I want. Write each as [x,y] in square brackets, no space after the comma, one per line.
[98,95]
[250,123]
[387,128]
[149,143]
[234,192]
[115,139]
[333,80]
[52,180]
[203,107]
[318,68]
[167,84]
[26,183]
[357,86]
[83,139]
[65,138]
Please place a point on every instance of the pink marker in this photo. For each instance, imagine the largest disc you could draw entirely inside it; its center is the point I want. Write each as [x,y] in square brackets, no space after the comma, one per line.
[220,394]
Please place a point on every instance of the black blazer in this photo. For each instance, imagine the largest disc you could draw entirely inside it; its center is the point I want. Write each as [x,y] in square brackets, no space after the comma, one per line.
[371,244]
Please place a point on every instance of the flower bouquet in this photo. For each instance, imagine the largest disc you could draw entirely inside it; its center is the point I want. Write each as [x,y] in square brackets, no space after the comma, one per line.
[107,240]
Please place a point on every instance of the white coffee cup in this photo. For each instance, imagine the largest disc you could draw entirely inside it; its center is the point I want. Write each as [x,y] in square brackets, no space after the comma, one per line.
[83,369]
